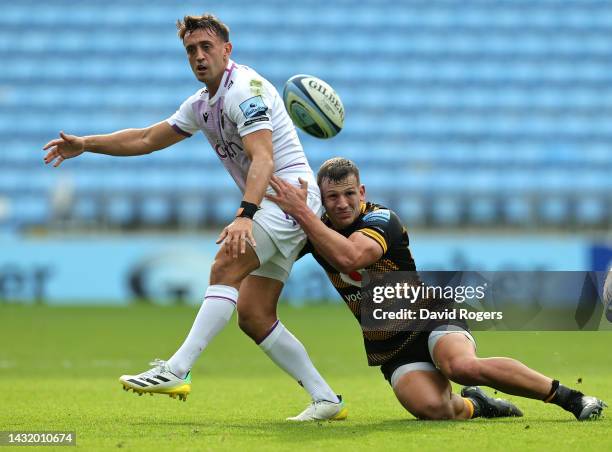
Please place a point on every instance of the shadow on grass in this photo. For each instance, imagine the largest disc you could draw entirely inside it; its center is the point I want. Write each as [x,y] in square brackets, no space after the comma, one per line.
[307,432]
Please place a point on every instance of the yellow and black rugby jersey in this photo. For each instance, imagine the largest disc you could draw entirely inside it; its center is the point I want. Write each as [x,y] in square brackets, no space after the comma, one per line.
[383,226]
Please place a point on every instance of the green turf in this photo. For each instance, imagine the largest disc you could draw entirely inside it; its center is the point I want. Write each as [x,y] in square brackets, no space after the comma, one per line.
[59,369]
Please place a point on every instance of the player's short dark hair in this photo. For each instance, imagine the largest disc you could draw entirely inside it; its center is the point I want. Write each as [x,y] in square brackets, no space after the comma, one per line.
[336,170]
[206,21]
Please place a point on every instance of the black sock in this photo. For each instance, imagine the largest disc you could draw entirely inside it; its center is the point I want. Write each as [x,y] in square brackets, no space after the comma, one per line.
[477,410]
[565,397]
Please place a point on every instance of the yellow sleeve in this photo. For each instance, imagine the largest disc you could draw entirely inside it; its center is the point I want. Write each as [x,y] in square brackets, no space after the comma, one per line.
[375,236]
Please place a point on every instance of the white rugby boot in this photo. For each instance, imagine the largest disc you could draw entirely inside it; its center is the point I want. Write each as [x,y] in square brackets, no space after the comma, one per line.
[158,380]
[322,410]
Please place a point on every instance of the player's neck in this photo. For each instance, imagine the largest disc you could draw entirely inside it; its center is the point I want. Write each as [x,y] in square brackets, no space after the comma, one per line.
[213,87]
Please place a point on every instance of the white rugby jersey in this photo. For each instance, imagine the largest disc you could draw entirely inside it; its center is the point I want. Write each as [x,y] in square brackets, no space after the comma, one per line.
[244,103]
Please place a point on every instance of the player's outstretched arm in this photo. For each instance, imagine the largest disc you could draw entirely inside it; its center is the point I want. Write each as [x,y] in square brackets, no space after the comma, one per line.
[62,148]
[123,143]
[344,254]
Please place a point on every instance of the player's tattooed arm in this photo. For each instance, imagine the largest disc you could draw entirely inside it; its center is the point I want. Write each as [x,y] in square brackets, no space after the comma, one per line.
[345,254]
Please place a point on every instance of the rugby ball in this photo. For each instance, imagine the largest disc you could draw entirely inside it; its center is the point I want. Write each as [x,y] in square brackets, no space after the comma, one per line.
[313,106]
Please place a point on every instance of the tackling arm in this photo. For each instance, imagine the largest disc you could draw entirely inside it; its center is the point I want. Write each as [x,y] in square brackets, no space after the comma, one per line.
[344,254]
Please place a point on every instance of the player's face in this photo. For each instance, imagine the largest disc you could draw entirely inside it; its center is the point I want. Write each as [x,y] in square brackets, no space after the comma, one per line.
[208,56]
[342,200]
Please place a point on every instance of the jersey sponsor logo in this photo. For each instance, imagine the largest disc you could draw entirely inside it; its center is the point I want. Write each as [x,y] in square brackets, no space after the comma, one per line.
[254,107]
[352,297]
[358,278]
[256,87]
[382,214]
[253,121]
[205,116]
[229,149]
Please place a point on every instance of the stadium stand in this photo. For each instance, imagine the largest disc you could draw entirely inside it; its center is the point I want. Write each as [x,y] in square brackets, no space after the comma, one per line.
[460,114]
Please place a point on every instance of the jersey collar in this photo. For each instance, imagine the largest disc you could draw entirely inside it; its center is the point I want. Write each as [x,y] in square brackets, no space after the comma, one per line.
[225,81]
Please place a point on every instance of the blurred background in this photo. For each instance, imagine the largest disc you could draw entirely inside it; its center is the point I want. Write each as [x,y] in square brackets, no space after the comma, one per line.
[486,125]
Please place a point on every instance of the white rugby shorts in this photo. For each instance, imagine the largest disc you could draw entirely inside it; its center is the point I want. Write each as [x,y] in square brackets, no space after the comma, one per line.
[279,238]
[432,340]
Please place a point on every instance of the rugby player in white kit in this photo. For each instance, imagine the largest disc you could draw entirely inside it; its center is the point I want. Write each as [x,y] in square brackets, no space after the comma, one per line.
[244,119]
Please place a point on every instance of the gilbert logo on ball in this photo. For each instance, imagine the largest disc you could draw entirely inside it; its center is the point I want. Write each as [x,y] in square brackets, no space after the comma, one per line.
[314,106]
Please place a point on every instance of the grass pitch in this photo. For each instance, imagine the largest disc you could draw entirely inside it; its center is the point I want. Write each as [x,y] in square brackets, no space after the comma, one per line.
[59,370]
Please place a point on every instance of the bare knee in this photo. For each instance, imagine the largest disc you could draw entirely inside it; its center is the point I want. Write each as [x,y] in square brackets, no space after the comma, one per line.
[221,273]
[464,370]
[255,324]
[434,410]
[425,395]
[230,271]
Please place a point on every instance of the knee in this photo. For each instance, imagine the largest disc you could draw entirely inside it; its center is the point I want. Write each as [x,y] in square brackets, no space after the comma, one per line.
[247,321]
[464,371]
[434,410]
[426,406]
[219,272]
[255,324]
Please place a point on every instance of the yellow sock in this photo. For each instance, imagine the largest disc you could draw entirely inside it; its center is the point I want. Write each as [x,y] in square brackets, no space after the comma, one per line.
[470,406]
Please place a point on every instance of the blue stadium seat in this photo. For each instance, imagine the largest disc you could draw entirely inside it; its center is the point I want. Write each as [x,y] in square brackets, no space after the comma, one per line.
[482,210]
[155,210]
[554,210]
[192,211]
[225,209]
[517,210]
[411,211]
[119,210]
[30,210]
[446,211]
[86,210]
[502,111]
[591,210]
